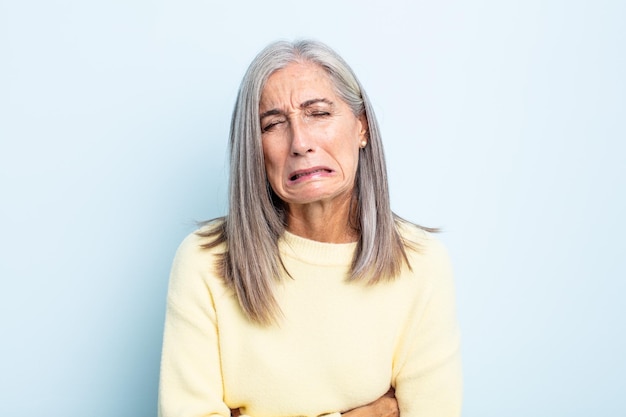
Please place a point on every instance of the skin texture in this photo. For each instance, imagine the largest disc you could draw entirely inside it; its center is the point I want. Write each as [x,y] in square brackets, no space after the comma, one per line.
[311,141]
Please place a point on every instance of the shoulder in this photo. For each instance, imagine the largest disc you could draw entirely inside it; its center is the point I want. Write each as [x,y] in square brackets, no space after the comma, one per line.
[194,281]
[202,244]
[420,242]
[427,255]
[195,262]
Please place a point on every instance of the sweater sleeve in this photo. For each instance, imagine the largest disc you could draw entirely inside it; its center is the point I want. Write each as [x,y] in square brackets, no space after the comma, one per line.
[428,379]
[190,381]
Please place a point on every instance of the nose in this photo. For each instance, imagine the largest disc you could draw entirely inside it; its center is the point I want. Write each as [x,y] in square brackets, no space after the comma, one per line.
[301,140]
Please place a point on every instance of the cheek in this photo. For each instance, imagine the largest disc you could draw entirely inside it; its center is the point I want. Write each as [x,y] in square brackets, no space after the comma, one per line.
[273,165]
[268,155]
[351,152]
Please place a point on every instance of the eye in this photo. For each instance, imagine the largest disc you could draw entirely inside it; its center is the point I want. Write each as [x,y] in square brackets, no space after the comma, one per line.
[318,113]
[271,125]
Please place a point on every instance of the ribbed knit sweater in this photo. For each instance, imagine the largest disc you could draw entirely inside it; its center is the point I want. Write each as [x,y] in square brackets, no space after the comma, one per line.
[340,345]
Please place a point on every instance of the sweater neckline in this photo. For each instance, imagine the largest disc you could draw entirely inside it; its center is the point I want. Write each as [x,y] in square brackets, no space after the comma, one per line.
[316,253]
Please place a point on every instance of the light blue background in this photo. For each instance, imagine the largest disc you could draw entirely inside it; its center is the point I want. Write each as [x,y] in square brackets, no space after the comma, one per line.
[504,123]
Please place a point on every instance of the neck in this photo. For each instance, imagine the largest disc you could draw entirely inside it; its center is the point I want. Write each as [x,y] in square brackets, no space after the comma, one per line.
[323,222]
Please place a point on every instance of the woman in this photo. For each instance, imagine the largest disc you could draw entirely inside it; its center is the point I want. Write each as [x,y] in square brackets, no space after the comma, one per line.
[310,297]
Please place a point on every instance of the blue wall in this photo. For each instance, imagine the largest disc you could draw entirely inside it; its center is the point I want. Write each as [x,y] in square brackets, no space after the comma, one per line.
[503,122]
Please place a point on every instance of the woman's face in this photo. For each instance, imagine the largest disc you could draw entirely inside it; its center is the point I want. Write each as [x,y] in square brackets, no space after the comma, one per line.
[311,138]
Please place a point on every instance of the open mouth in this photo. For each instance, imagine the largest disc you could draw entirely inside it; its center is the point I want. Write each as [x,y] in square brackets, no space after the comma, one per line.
[301,174]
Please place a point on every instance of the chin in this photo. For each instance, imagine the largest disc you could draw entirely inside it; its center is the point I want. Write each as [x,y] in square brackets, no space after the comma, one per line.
[315,194]
[310,198]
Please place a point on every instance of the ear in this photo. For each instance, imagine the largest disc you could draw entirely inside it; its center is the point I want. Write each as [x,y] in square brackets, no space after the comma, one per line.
[364,131]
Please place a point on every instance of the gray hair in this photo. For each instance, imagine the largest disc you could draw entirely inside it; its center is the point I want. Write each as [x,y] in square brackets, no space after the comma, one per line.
[251,262]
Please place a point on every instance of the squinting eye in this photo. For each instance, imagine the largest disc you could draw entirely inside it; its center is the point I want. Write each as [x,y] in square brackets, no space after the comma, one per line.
[270,126]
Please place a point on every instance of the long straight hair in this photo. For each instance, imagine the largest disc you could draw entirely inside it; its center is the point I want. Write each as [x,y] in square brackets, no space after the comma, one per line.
[251,263]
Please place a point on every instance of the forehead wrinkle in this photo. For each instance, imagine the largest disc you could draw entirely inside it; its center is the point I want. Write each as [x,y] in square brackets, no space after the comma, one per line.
[313,101]
[281,96]
[304,105]
[272,112]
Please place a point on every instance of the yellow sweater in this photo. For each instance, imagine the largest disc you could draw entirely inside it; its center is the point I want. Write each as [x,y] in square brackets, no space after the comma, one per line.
[340,345]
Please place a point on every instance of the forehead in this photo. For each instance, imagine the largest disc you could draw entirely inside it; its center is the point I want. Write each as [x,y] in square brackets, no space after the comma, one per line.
[296,83]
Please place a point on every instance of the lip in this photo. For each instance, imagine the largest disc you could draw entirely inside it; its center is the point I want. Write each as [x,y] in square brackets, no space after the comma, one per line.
[308,173]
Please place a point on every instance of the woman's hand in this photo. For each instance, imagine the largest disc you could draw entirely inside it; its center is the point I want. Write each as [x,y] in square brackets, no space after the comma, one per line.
[385,406]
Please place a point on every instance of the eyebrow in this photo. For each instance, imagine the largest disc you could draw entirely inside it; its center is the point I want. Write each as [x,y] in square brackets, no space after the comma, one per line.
[304,105]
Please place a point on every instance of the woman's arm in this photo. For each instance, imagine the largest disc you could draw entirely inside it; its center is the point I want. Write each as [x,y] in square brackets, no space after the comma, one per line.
[427,374]
[385,406]
[191,375]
